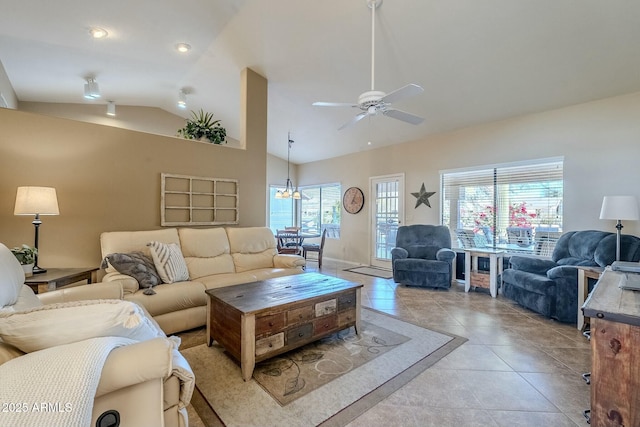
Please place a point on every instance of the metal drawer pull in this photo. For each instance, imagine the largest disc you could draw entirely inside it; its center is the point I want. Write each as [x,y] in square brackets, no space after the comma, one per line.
[300,334]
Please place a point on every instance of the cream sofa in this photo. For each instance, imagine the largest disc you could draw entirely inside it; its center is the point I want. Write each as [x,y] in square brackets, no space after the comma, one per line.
[148,382]
[215,257]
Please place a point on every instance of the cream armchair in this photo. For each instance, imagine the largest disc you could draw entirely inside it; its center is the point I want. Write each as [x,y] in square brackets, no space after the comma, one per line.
[145,383]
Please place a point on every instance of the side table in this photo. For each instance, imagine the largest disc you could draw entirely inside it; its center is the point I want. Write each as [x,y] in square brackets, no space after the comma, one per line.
[584,274]
[475,278]
[56,278]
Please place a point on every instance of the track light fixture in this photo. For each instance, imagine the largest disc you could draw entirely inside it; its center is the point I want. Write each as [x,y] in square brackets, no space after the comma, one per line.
[111,109]
[182,99]
[91,89]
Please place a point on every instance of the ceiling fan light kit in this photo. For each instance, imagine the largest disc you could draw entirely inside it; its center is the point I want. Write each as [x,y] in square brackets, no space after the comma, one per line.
[374,101]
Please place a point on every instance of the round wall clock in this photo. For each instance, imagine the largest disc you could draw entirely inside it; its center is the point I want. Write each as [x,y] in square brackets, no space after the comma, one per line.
[353,200]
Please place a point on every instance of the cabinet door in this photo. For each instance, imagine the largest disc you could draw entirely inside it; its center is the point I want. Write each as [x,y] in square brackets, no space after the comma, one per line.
[615,374]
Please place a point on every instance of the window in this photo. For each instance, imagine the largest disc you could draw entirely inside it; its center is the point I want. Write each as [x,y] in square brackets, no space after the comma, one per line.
[320,208]
[281,211]
[506,205]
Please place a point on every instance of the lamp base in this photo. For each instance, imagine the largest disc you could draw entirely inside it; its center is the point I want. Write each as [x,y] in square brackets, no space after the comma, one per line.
[38,270]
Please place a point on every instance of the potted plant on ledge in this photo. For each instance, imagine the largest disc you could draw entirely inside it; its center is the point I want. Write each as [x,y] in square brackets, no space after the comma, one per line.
[26,255]
[201,126]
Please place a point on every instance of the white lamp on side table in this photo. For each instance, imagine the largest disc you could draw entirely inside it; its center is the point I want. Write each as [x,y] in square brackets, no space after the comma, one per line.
[619,208]
[36,201]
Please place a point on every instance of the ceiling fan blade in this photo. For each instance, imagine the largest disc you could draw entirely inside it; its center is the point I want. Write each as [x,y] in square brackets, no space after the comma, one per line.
[404,116]
[334,104]
[354,120]
[402,93]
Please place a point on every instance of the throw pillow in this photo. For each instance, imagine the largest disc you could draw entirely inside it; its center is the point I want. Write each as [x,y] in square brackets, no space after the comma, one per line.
[137,265]
[168,259]
[69,322]
[11,277]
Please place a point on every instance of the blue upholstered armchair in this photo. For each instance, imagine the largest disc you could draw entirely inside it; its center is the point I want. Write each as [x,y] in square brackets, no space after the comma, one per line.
[550,287]
[423,256]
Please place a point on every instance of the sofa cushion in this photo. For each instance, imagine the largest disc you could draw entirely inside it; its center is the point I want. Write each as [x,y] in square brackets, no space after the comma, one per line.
[65,323]
[206,251]
[227,279]
[26,300]
[11,278]
[270,273]
[137,265]
[170,297]
[252,247]
[130,241]
[169,261]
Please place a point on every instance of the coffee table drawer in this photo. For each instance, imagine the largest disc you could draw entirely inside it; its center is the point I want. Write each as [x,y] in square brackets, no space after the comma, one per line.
[272,323]
[347,317]
[301,314]
[270,343]
[326,324]
[346,301]
[300,333]
[326,307]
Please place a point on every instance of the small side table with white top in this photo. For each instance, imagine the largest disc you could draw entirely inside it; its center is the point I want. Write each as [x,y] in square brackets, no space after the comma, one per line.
[476,278]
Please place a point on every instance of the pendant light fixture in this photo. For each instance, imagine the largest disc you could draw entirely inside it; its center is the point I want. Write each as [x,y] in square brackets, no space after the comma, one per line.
[289,191]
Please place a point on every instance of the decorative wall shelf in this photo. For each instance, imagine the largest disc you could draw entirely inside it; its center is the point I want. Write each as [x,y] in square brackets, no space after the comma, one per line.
[194,200]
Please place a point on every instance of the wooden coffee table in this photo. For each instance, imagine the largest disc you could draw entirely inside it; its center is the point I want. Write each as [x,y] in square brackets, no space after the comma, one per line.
[256,321]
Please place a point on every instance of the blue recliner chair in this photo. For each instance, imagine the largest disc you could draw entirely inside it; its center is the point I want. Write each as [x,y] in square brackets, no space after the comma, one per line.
[550,287]
[423,256]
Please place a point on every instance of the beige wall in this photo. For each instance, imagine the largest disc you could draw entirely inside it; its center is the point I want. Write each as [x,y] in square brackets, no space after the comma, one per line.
[109,178]
[600,143]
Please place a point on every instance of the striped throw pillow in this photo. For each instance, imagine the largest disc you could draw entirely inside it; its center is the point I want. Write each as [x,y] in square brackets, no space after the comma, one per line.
[168,259]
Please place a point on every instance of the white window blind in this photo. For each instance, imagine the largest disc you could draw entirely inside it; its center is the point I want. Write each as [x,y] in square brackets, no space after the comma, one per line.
[505,204]
[320,208]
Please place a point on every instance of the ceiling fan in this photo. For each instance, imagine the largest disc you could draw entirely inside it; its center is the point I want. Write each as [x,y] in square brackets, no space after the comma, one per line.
[374,101]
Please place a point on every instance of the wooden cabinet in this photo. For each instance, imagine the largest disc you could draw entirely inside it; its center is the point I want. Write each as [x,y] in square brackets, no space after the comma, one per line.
[615,361]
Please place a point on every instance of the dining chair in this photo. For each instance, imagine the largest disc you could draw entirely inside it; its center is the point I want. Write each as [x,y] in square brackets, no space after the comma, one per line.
[289,241]
[315,247]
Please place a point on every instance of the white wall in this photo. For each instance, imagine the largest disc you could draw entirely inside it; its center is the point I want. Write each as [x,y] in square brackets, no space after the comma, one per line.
[600,143]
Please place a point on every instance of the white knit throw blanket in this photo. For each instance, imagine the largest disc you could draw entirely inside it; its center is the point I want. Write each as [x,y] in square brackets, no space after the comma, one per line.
[55,386]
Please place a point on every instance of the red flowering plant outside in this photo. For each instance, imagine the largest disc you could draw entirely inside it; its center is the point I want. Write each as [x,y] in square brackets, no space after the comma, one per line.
[483,219]
[519,216]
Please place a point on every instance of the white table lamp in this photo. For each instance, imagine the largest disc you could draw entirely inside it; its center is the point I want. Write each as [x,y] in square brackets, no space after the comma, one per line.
[619,208]
[36,201]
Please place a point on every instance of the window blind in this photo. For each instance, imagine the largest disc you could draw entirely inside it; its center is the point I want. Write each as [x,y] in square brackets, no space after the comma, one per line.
[504,204]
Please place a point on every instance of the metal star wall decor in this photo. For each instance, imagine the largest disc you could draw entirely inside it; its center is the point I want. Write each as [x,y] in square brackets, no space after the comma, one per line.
[423,196]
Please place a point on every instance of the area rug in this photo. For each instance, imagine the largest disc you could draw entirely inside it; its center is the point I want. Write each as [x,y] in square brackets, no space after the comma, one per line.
[240,403]
[371,271]
[298,372]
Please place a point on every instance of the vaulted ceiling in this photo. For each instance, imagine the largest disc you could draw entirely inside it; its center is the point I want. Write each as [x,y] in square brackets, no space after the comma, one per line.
[478,61]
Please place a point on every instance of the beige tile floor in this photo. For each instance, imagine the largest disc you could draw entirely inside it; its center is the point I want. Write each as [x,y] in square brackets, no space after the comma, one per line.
[517,369]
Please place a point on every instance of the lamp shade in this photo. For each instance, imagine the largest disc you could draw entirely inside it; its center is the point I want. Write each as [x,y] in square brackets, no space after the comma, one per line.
[36,201]
[619,208]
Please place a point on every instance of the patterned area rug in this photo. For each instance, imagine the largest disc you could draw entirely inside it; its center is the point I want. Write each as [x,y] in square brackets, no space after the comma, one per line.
[371,271]
[336,402]
[298,372]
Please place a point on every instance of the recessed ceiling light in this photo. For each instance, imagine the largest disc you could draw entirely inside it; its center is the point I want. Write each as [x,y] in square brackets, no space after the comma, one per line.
[183,47]
[98,33]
